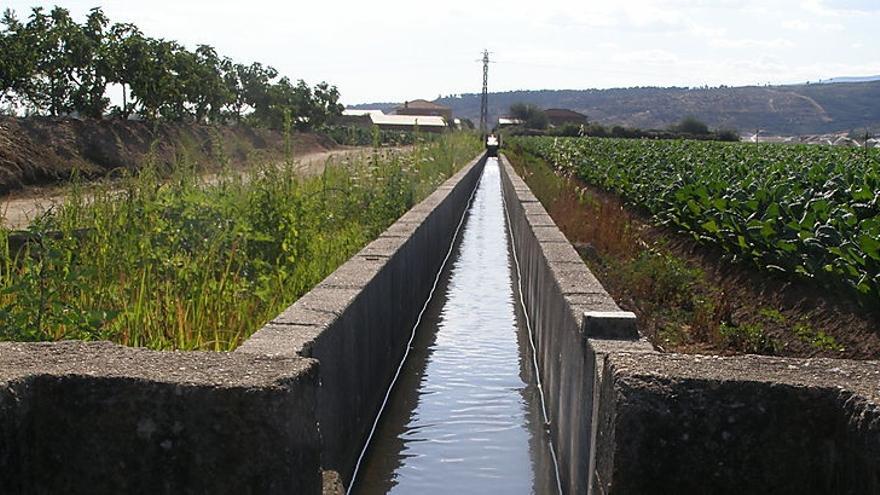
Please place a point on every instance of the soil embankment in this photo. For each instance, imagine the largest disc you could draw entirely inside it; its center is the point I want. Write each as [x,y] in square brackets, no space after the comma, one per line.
[40,151]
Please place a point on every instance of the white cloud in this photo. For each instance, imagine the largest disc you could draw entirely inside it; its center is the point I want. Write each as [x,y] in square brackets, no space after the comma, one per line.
[796,25]
[751,43]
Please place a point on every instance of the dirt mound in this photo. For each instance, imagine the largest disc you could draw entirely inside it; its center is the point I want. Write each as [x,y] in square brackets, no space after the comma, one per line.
[44,150]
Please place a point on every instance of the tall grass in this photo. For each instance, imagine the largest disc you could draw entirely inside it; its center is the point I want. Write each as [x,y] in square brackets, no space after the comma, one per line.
[176,263]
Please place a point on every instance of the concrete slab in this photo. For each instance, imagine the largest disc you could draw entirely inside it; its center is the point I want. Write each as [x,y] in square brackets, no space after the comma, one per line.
[102,418]
[354,274]
[549,233]
[274,340]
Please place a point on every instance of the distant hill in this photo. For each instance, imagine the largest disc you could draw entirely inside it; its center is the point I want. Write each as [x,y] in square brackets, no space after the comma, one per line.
[784,110]
[849,79]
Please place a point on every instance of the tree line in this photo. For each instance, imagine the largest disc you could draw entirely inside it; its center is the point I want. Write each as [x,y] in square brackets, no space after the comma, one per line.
[533,121]
[52,65]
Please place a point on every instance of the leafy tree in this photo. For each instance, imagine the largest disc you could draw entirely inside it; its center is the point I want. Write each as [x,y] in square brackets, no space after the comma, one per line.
[58,41]
[325,104]
[153,84]
[255,81]
[16,62]
[691,125]
[91,64]
[57,66]
[531,115]
[123,44]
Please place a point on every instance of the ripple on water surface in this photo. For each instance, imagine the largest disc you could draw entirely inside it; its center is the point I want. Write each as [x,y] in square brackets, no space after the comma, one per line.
[465,414]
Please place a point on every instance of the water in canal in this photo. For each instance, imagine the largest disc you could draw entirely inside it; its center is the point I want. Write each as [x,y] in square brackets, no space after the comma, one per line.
[465,414]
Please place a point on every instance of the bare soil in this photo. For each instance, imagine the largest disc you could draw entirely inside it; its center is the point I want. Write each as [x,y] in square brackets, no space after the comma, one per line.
[41,151]
[798,317]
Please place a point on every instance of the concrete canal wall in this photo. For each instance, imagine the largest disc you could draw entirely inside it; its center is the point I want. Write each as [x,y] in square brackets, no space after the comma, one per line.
[357,322]
[628,420]
[558,291]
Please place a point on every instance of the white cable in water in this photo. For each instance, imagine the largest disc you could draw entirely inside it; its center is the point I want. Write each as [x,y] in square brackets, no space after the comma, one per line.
[412,336]
[535,366]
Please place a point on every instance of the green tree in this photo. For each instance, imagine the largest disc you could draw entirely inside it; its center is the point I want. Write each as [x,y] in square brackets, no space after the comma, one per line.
[255,81]
[531,115]
[17,60]
[152,83]
[57,66]
[123,44]
[691,125]
[325,104]
[90,61]
[57,41]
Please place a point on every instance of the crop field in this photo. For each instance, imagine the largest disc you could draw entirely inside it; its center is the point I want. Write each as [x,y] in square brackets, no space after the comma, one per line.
[813,212]
[181,264]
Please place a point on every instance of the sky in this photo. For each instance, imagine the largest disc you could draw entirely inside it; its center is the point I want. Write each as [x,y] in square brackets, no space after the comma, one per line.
[395,50]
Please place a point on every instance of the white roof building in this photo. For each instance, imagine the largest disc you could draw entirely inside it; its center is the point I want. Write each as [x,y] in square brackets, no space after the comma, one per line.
[408,120]
[356,112]
[506,121]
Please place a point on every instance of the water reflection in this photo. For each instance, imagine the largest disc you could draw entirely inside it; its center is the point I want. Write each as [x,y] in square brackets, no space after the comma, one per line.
[465,414]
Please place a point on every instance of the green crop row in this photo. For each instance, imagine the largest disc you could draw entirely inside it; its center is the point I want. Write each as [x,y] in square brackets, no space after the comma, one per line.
[813,211]
[182,263]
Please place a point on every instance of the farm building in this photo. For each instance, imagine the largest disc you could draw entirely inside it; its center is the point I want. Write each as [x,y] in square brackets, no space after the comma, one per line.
[508,122]
[425,123]
[424,107]
[561,116]
[369,118]
[357,118]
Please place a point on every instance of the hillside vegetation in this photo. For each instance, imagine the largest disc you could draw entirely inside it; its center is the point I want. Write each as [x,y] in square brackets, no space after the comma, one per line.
[784,110]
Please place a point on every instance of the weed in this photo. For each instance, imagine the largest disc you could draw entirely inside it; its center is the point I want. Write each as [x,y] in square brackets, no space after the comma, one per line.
[660,277]
[182,264]
[817,339]
[748,338]
[772,315]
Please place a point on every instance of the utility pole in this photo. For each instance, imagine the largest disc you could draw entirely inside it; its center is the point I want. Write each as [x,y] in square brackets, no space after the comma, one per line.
[484,102]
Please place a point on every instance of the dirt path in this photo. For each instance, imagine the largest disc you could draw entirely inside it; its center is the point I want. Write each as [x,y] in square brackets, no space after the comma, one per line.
[19,208]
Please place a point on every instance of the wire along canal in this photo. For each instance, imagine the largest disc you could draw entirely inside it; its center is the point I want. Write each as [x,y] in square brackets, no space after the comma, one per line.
[465,414]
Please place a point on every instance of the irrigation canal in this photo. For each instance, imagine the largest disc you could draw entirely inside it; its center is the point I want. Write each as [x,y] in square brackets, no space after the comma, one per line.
[465,414]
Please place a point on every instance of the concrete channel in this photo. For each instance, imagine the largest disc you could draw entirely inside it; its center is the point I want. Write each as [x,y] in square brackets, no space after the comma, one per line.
[465,415]
[291,410]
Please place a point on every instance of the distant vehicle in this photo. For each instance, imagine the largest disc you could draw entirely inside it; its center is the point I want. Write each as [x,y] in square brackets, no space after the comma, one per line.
[492,145]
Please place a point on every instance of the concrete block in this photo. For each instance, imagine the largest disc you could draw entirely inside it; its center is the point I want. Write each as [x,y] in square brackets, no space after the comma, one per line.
[540,220]
[610,325]
[297,314]
[549,233]
[691,424]
[330,300]
[582,303]
[274,340]
[559,252]
[534,209]
[383,246]
[401,229]
[102,418]
[355,273]
[575,278]
[525,196]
